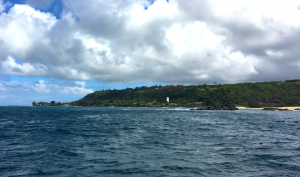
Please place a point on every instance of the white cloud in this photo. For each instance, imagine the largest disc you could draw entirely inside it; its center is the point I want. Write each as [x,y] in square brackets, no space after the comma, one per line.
[193,42]
[42,87]
[80,83]
[2,88]
[23,30]
[2,7]
[160,10]
[76,90]
[256,12]
[10,66]
[193,37]
[46,87]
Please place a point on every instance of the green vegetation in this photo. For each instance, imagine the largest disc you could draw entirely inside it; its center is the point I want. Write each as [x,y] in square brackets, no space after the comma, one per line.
[261,94]
[52,103]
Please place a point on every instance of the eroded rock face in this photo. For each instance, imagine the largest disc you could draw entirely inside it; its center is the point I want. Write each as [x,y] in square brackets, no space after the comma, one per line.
[222,107]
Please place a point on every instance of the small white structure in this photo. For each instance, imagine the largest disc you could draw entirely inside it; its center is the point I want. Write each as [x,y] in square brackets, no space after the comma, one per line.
[167,99]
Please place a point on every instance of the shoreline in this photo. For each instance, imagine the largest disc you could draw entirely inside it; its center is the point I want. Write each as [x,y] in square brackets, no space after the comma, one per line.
[284,107]
[238,107]
[248,108]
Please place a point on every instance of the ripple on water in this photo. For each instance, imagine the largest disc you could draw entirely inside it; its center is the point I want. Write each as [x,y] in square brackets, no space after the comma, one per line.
[148,142]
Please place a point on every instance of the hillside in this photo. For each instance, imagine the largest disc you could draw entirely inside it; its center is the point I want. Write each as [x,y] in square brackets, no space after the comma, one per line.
[260,94]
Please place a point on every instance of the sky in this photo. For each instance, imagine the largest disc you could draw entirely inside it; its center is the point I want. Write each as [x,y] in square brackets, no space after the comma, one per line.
[61,50]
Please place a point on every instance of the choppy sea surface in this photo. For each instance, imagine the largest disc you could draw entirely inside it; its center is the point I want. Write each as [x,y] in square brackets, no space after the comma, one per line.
[55,141]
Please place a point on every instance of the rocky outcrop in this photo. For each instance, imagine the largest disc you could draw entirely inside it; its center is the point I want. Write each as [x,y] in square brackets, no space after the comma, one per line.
[278,109]
[222,107]
[270,109]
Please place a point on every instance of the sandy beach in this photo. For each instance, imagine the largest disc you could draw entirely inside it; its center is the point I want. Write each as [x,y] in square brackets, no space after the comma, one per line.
[288,107]
[248,108]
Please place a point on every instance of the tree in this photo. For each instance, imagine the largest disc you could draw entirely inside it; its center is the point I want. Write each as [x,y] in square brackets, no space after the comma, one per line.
[34,103]
[254,104]
[52,103]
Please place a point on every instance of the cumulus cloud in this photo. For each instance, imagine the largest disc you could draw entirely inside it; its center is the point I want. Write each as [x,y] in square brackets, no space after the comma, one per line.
[189,42]
[80,83]
[2,7]
[46,87]
[24,92]
[10,66]
[62,87]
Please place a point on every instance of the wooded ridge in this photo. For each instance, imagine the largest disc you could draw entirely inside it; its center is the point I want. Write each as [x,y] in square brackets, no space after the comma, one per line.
[259,94]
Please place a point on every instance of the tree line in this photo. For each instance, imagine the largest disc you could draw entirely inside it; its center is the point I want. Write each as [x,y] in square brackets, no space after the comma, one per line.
[52,103]
[260,94]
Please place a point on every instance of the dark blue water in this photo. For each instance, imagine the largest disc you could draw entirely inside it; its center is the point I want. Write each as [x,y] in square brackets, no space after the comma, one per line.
[148,142]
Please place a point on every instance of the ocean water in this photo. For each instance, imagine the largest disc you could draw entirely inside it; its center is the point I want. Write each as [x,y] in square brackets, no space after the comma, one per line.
[54,141]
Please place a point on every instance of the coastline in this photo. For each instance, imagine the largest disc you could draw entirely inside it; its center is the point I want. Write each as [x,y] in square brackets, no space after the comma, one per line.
[284,107]
[248,108]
